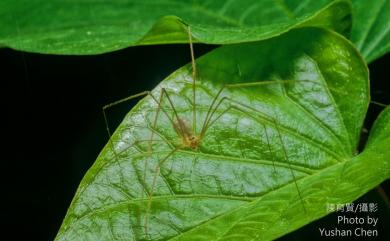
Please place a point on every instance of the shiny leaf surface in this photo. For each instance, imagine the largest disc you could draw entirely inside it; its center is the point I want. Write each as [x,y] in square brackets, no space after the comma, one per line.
[271,160]
[371,27]
[92,27]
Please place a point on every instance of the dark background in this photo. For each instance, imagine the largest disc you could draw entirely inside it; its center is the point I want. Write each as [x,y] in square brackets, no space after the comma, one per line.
[53,128]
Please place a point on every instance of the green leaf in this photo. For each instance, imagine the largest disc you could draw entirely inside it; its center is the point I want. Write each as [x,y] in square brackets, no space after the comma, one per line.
[92,27]
[278,154]
[371,27]
[380,132]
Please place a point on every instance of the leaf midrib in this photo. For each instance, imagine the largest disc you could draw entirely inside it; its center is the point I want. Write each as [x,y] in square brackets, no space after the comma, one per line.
[300,168]
[261,119]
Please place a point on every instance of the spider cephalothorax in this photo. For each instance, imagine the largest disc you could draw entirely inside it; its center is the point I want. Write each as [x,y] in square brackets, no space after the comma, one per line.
[192,142]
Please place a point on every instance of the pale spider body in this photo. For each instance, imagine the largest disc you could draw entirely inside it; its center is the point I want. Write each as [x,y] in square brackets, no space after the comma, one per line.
[188,138]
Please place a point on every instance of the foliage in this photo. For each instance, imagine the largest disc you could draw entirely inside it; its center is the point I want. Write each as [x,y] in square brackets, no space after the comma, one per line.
[91,27]
[239,185]
[276,154]
[371,28]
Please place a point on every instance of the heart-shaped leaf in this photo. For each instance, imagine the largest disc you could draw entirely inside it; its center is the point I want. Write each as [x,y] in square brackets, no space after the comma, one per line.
[91,27]
[272,158]
[371,27]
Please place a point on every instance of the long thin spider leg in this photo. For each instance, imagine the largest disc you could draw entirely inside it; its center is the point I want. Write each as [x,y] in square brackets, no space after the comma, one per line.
[182,131]
[289,164]
[265,130]
[206,124]
[212,106]
[155,118]
[156,174]
[170,143]
[267,118]
[150,140]
[106,120]
[144,93]
[159,107]
[269,146]
[281,140]
[220,115]
[164,92]
[210,109]
[152,135]
[193,81]
[106,107]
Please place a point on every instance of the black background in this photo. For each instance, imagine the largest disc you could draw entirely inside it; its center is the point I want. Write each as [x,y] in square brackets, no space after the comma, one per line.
[53,128]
